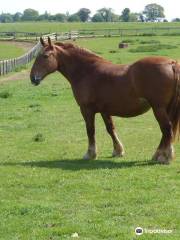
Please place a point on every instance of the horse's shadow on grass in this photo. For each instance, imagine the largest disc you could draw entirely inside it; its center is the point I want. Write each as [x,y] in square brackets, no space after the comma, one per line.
[79,164]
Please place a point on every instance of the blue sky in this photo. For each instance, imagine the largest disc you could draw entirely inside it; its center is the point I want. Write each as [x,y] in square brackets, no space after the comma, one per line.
[53,6]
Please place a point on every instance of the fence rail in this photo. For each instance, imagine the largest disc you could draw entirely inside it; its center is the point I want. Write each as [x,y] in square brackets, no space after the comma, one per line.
[159,31]
[7,66]
[21,35]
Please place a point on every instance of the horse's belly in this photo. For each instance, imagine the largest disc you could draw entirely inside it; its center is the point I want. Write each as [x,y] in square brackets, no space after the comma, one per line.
[131,108]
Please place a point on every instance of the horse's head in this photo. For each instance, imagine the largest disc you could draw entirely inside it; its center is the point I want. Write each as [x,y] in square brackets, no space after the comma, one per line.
[45,63]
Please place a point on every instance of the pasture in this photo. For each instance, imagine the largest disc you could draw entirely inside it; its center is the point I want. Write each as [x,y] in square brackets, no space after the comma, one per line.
[48,192]
[9,50]
[61,27]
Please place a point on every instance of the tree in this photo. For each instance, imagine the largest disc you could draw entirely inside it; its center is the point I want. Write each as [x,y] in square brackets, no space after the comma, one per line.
[142,17]
[106,14]
[74,18]
[114,17]
[52,18]
[176,20]
[125,15]
[153,12]
[97,18]
[133,17]
[17,17]
[6,18]
[30,15]
[44,17]
[83,14]
[60,17]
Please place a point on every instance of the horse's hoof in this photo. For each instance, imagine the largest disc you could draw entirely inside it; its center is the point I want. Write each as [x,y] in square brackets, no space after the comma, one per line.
[164,156]
[89,156]
[117,153]
[161,159]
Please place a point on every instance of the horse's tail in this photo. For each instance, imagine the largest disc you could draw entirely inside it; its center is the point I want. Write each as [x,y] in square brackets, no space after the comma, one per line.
[174,108]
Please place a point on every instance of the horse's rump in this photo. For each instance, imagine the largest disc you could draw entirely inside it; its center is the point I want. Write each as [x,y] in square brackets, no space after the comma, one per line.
[174,107]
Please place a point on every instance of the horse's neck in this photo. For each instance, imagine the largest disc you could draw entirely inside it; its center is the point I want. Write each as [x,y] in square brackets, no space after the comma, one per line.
[73,65]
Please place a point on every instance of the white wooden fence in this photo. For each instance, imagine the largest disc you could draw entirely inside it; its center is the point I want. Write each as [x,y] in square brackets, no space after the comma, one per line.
[9,65]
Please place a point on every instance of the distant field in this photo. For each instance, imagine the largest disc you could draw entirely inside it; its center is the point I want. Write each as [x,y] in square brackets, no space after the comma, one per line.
[48,192]
[8,50]
[58,27]
[138,47]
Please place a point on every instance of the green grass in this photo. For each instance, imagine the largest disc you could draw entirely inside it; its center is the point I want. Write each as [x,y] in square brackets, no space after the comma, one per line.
[108,47]
[59,27]
[152,48]
[48,192]
[8,50]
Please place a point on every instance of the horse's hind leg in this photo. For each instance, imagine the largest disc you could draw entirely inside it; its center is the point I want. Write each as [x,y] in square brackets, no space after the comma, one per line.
[165,152]
[118,147]
[89,117]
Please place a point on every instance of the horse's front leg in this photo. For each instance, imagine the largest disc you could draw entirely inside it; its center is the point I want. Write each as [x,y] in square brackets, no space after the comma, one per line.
[118,150]
[89,117]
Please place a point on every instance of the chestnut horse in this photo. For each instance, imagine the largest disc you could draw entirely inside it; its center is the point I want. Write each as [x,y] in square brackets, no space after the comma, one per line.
[100,86]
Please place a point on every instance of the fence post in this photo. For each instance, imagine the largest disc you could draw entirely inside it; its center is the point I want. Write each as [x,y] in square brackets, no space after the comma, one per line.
[3,67]
[9,65]
[69,34]
[121,34]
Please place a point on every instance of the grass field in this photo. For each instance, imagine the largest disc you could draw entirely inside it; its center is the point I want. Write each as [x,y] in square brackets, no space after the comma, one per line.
[7,50]
[48,192]
[59,27]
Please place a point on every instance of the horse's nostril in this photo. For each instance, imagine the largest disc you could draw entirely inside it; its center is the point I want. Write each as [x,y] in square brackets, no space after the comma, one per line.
[35,80]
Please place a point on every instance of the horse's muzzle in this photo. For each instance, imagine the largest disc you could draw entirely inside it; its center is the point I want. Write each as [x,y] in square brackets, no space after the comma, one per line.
[35,80]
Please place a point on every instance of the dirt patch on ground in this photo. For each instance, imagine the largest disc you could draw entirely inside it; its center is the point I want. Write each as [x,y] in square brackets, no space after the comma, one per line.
[16,76]
[26,46]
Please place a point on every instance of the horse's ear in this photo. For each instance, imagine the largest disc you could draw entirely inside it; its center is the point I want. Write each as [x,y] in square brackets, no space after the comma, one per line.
[49,42]
[42,41]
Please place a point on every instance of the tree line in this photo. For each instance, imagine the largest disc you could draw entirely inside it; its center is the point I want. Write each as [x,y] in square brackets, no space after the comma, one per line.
[152,12]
